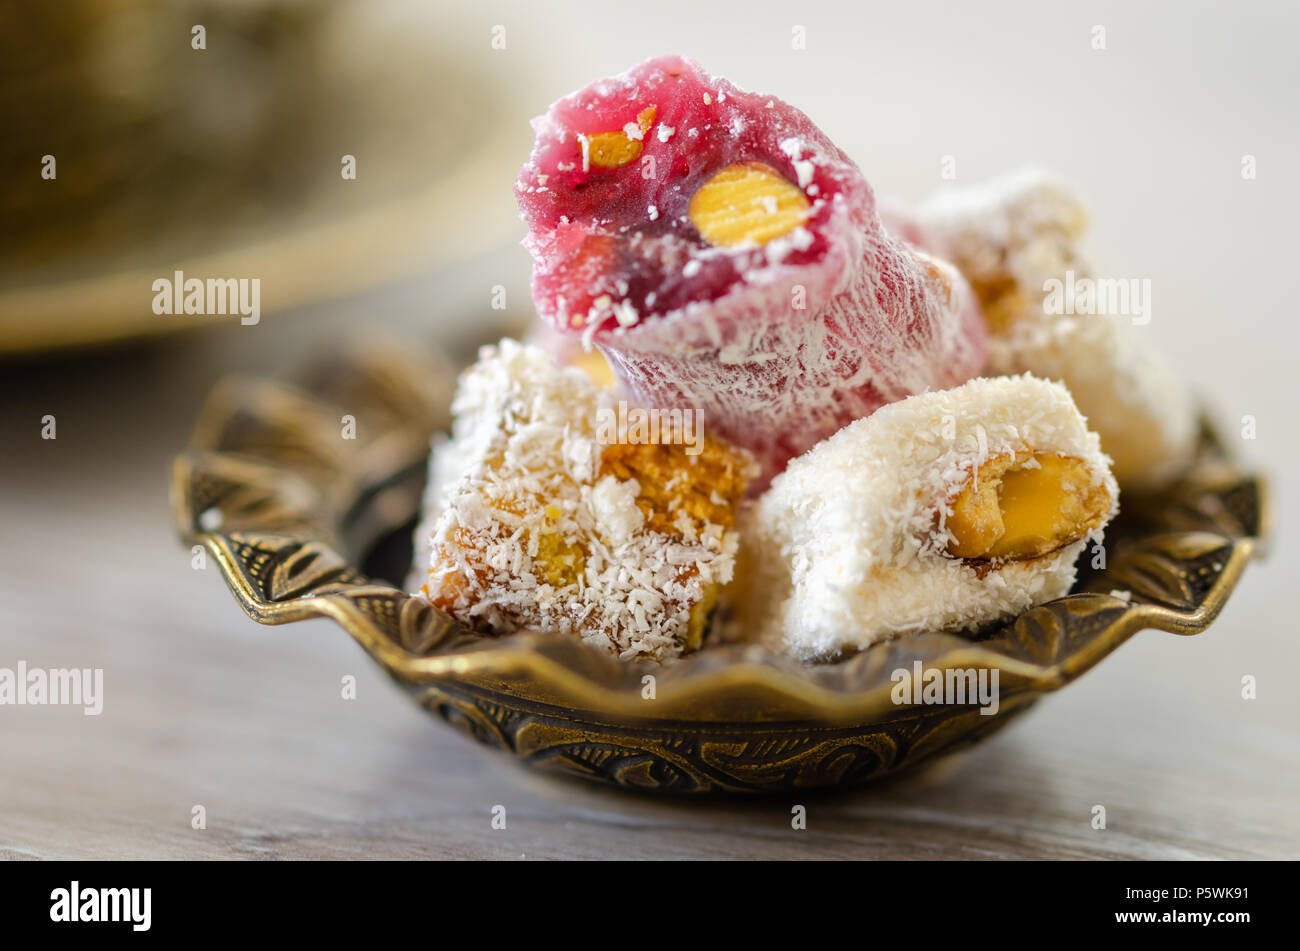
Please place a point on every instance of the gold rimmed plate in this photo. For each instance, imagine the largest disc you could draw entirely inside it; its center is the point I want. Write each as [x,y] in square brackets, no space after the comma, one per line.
[321,148]
[303,524]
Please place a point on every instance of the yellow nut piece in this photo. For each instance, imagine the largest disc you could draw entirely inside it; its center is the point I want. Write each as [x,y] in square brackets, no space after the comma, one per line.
[616,149]
[559,563]
[594,364]
[1025,505]
[1002,302]
[747,203]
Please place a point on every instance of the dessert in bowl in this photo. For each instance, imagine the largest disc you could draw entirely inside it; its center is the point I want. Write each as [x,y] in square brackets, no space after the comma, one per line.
[833,457]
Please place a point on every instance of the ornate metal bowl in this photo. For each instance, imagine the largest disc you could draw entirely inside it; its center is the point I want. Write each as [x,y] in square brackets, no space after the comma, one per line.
[301,519]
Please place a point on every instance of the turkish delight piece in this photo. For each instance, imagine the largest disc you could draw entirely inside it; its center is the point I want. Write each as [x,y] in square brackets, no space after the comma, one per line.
[557,514]
[1018,237]
[1132,397]
[727,257]
[941,512]
[1008,236]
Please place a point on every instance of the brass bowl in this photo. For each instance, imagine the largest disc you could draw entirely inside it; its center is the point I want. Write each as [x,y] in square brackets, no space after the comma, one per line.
[287,507]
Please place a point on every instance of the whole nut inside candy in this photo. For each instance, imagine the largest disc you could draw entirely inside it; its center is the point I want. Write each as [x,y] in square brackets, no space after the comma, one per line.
[748,202]
[1025,505]
[616,149]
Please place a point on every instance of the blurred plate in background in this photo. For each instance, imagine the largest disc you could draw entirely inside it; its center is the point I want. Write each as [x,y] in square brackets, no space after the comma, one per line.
[227,162]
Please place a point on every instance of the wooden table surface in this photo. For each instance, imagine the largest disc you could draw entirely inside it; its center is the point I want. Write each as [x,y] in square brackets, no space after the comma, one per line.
[204,707]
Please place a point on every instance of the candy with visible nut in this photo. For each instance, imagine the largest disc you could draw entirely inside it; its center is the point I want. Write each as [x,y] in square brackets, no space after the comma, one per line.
[726,256]
[941,512]
[550,518]
[1012,237]
[1025,505]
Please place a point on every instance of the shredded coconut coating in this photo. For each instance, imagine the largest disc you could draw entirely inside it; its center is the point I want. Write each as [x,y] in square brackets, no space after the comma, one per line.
[1132,397]
[544,525]
[1009,237]
[847,547]
[567,351]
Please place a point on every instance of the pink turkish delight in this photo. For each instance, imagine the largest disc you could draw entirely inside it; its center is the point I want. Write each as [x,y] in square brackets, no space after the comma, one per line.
[724,255]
